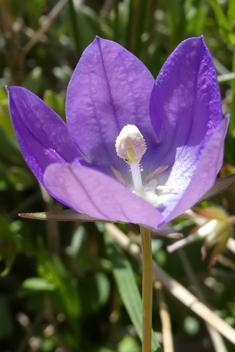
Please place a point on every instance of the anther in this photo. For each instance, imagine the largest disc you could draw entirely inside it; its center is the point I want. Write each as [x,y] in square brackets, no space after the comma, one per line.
[130,146]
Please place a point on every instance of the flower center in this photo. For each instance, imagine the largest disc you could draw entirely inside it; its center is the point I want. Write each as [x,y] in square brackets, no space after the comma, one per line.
[130,146]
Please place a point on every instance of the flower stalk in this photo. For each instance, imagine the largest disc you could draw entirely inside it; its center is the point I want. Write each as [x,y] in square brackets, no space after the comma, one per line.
[147,295]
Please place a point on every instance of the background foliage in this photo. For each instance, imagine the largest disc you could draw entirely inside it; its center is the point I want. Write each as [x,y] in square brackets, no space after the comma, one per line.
[67,287]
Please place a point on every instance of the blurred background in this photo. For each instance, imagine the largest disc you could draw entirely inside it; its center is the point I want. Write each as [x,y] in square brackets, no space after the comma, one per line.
[61,288]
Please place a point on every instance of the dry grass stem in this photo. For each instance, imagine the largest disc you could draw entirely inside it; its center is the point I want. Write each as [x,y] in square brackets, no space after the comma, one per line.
[168,345]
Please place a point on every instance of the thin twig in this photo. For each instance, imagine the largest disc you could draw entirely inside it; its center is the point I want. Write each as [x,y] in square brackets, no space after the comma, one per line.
[218,343]
[50,19]
[165,319]
[174,287]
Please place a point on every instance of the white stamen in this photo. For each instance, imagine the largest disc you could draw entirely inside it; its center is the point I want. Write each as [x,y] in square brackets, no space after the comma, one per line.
[136,176]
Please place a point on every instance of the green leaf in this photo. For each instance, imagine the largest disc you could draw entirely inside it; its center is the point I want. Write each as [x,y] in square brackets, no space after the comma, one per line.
[36,284]
[126,283]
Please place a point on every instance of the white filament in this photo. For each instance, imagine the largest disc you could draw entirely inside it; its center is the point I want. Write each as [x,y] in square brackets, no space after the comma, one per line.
[136,176]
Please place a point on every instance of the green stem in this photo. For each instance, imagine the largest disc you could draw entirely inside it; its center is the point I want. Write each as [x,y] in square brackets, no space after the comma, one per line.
[147,289]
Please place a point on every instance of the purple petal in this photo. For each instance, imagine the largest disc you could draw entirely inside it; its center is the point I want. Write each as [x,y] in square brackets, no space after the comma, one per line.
[193,187]
[109,89]
[185,105]
[221,185]
[98,195]
[42,135]
[165,231]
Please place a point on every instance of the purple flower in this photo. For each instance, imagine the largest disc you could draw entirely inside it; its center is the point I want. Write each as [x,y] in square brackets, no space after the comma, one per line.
[176,120]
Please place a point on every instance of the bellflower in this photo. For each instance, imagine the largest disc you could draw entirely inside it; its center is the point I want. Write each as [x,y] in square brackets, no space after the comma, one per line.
[134,149]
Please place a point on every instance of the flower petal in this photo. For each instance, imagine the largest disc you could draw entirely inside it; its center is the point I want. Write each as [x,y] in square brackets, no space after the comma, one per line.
[42,135]
[185,106]
[206,169]
[165,231]
[98,195]
[109,89]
